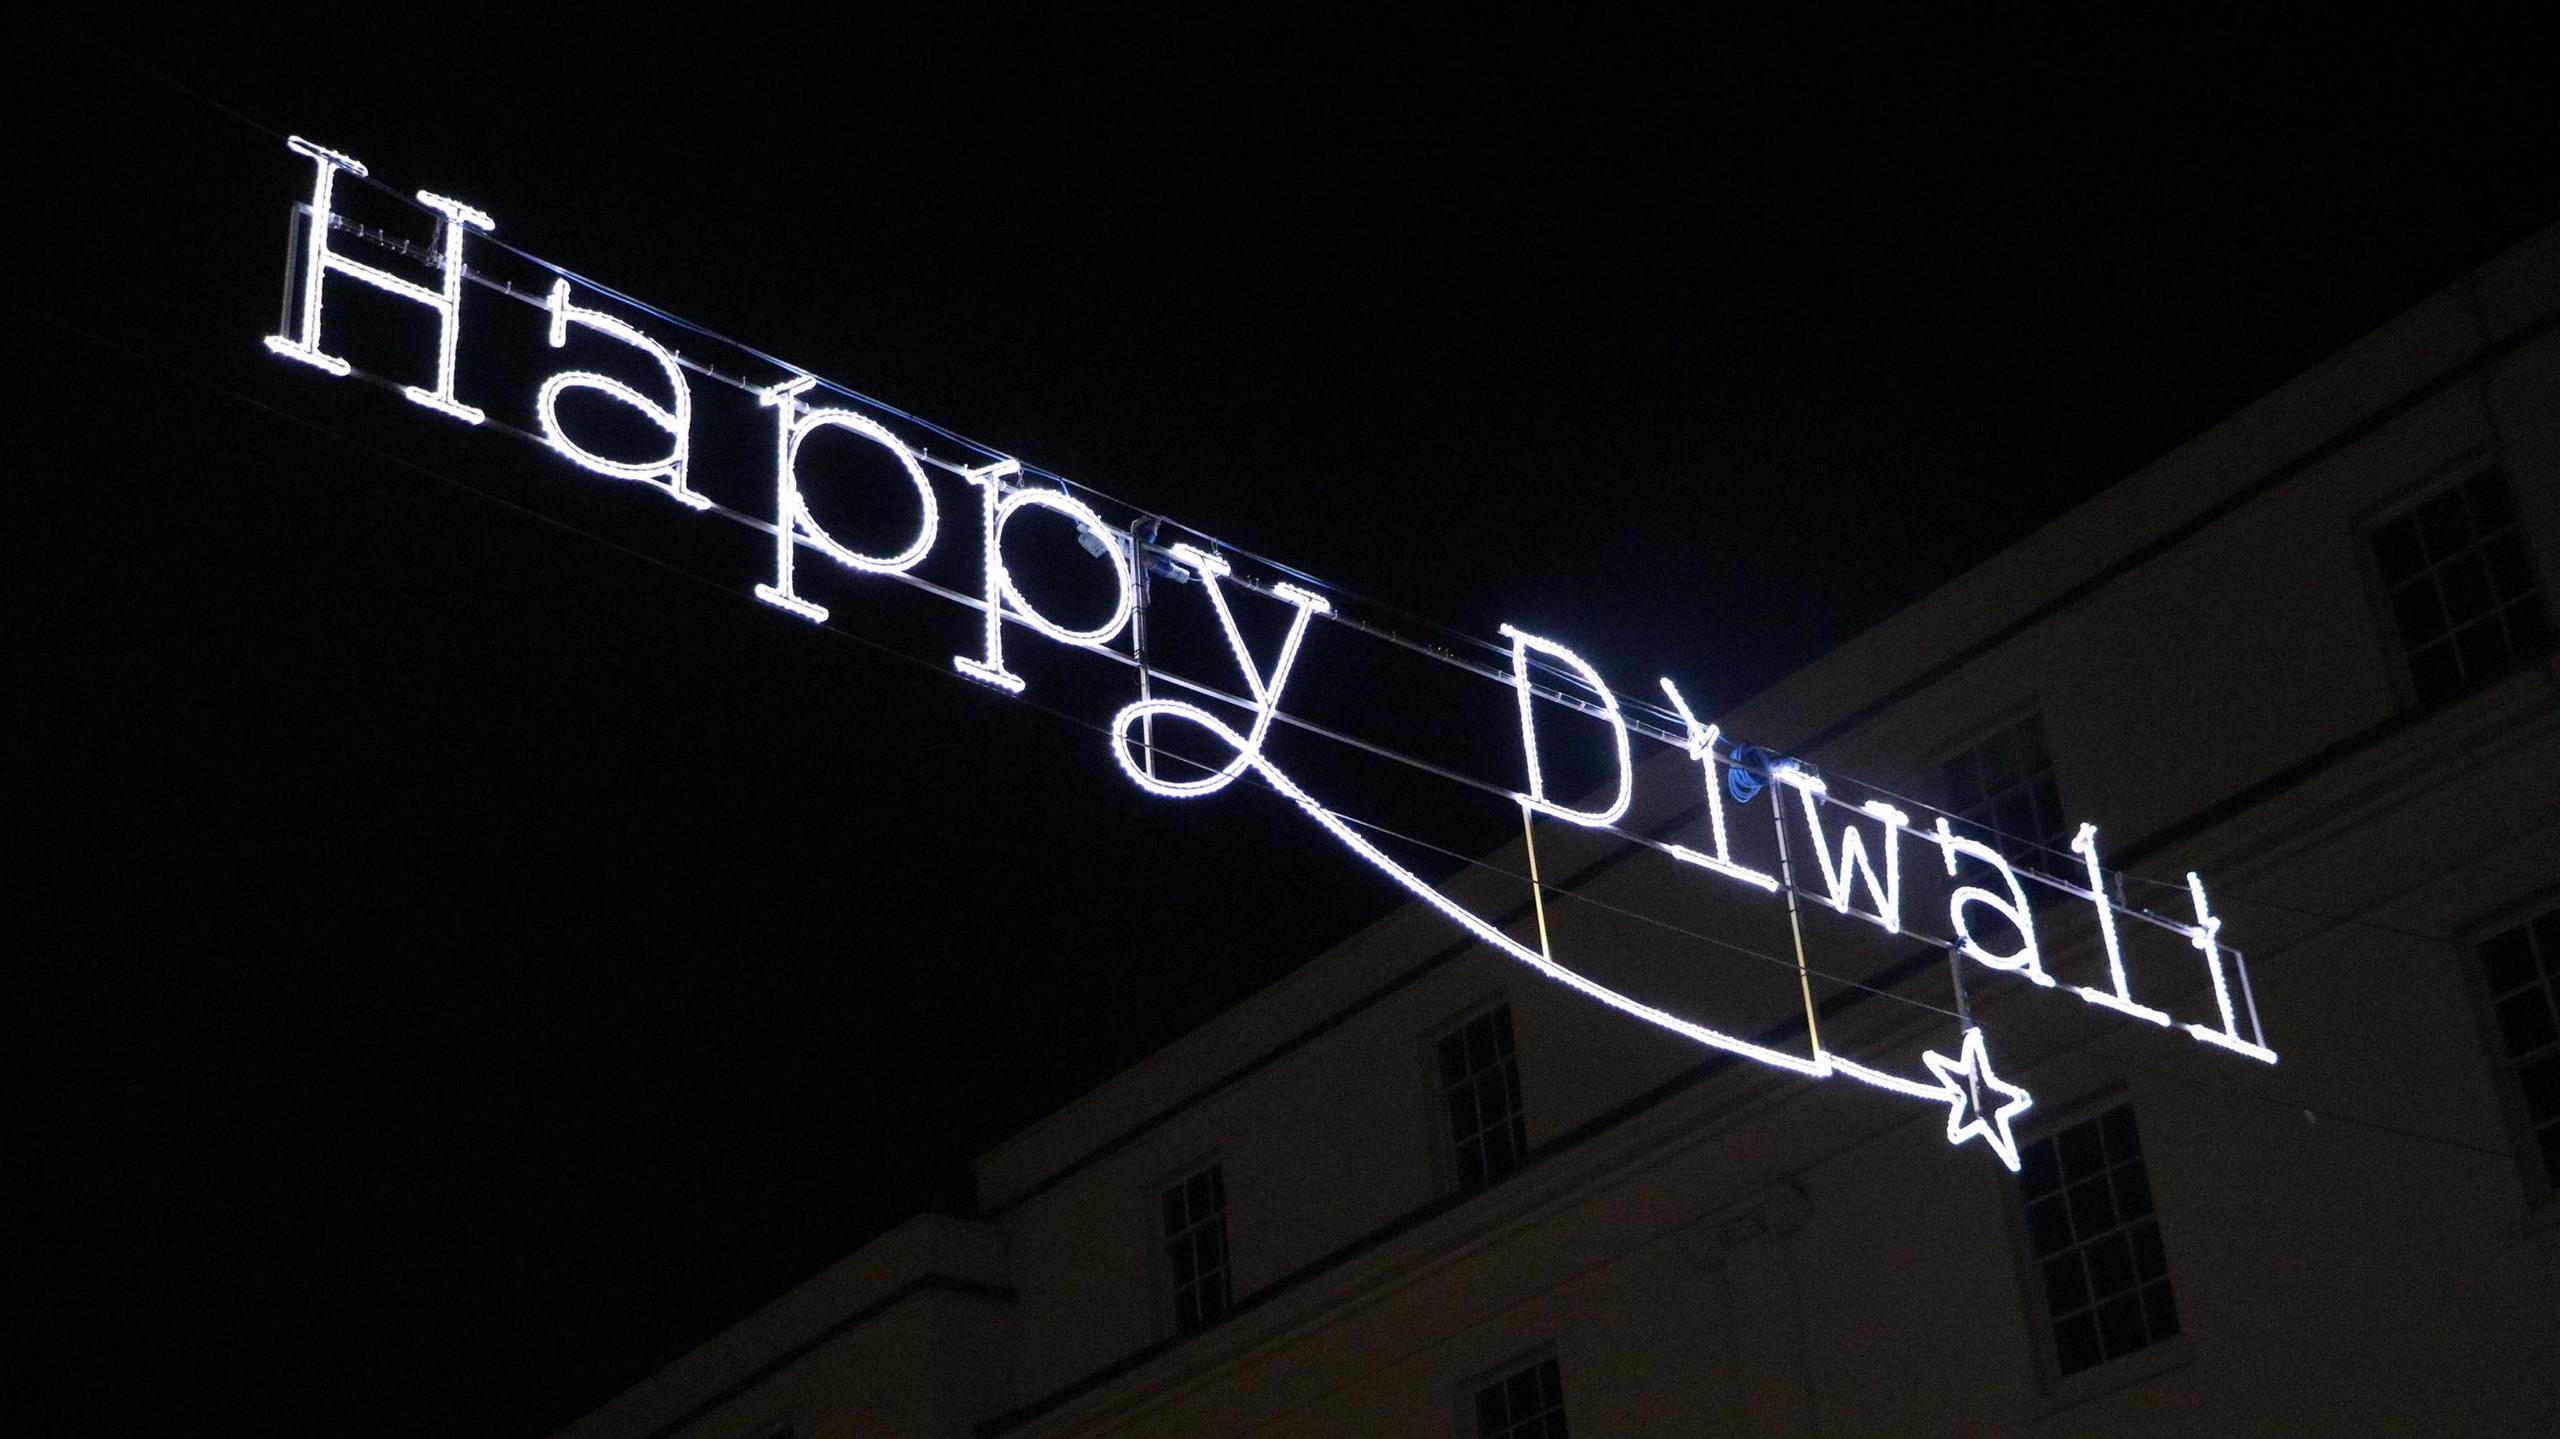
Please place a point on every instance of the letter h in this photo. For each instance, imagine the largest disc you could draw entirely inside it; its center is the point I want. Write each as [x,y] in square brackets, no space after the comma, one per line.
[318,259]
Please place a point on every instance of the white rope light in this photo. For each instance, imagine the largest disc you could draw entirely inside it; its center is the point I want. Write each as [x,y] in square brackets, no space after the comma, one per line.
[676,419]
[319,260]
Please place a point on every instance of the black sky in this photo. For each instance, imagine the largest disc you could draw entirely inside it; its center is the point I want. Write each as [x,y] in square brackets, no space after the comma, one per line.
[461,964]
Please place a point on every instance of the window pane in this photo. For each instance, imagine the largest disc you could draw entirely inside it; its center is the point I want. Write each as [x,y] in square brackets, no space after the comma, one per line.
[2000,759]
[2490,507]
[2396,550]
[2075,1343]
[2110,1266]
[2066,1284]
[2525,1021]
[2149,1260]
[2528,628]
[2510,570]
[2507,959]
[2483,648]
[2444,526]
[2133,1191]
[2093,1209]
[2049,1225]
[2121,1326]
[2542,1087]
[2415,608]
[2040,1172]
[2123,1141]
[2081,1156]
[2435,673]
[2161,1308]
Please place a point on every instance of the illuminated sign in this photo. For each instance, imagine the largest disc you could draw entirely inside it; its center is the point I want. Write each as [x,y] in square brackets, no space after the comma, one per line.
[1858,848]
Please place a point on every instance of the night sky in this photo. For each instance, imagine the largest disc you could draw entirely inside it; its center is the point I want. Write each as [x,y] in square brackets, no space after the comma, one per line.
[467,951]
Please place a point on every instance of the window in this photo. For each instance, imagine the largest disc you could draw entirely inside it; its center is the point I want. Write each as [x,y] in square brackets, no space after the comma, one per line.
[1480,1098]
[1195,1246]
[2003,789]
[2101,1275]
[2461,586]
[1527,1403]
[2521,968]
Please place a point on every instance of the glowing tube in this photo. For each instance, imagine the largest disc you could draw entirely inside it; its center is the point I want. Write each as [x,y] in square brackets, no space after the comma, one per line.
[1702,748]
[318,260]
[2085,844]
[1965,1077]
[1265,691]
[1840,880]
[677,421]
[1536,798]
[2011,907]
[995,510]
[792,520]
[2206,937]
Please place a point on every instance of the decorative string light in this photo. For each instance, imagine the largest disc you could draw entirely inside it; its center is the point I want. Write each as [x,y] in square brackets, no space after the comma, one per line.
[2120,999]
[1521,644]
[2012,907]
[1702,748]
[1266,692]
[1965,1077]
[319,259]
[666,474]
[2207,939]
[995,509]
[1840,880]
[793,521]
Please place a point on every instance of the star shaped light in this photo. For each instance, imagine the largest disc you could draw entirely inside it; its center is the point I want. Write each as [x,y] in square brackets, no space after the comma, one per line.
[1967,1079]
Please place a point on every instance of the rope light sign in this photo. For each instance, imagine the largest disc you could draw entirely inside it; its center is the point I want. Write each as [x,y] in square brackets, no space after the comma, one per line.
[1857,848]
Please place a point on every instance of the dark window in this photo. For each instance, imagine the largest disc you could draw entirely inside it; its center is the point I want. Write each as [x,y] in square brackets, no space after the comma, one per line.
[2522,970]
[1480,1098]
[2464,600]
[1195,1246]
[2100,1271]
[1527,1403]
[2002,791]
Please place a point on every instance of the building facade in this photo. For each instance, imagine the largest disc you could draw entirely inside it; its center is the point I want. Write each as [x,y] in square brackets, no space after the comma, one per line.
[1416,1189]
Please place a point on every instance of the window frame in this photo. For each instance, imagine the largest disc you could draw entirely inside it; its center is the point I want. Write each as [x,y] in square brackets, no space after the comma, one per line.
[1160,1249]
[1463,1400]
[2541,1197]
[1444,1160]
[2054,864]
[2401,677]
[2106,1375]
